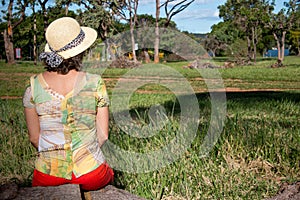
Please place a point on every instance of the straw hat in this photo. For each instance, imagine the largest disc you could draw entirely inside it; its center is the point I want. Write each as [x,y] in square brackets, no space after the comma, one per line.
[66,39]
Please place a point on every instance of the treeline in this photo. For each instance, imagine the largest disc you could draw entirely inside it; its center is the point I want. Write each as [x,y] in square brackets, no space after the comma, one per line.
[248,29]
[251,27]
[25,21]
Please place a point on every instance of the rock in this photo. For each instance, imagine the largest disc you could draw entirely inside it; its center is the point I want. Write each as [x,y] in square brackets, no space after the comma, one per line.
[112,193]
[8,191]
[228,65]
[200,65]
[63,192]
[67,192]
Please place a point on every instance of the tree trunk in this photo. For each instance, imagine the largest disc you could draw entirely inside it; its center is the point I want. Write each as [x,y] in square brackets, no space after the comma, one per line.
[45,21]
[213,51]
[8,36]
[298,45]
[280,45]
[280,48]
[249,48]
[34,38]
[156,43]
[283,45]
[45,15]
[132,43]
[68,3]
[9,47]
[146,54]
[67,9]
[132,32]
[105,51]
[254,42]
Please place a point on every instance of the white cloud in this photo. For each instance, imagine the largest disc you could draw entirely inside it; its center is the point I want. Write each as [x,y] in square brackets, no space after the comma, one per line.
[216,13]
[203,1]
[152,2]
[193,3]
[146,2]
[198,14]
[198,17]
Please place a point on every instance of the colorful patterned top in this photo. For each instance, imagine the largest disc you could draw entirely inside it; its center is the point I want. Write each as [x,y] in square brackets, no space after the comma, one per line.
[68,140]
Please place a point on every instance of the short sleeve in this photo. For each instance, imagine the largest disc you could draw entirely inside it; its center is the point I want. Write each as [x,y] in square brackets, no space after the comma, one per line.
[27,98]
[102,96]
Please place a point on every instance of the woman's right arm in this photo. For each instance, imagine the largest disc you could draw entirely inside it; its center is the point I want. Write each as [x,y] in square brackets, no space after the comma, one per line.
[33,126]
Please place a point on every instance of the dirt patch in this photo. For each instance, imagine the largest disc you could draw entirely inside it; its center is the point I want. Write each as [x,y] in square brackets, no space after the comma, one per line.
[17,74]
[228,89]
[10,97]
[232,89]
[288,191]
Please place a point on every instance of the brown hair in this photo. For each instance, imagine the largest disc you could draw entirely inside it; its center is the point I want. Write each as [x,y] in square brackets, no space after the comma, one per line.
[67,65]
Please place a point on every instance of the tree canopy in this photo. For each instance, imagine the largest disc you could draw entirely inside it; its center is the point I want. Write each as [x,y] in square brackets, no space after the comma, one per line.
[252,21]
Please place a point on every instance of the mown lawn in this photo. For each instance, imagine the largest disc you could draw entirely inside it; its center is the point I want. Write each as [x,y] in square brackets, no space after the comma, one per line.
[257,150]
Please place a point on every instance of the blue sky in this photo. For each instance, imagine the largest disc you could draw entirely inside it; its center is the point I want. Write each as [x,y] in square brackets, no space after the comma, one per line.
[197,18]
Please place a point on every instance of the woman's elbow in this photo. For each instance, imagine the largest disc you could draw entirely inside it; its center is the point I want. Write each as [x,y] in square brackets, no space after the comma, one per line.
[102,139]
[34,140]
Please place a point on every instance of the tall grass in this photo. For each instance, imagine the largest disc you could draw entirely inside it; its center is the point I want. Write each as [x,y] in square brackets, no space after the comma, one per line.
[16,152]
[257,150]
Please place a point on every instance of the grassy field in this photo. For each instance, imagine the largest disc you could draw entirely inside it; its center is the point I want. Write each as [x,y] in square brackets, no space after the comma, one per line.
[258,149]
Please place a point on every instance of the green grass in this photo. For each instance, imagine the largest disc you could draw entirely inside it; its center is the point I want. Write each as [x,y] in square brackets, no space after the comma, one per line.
[257,150]
[16,152]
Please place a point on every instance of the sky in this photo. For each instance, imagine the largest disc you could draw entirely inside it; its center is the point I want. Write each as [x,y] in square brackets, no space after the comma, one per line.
[197,18]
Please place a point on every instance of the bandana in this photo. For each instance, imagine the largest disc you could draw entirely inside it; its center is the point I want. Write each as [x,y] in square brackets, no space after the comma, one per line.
[53,59]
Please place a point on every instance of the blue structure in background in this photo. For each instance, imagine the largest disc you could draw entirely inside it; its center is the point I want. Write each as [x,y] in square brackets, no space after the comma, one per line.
[274,53]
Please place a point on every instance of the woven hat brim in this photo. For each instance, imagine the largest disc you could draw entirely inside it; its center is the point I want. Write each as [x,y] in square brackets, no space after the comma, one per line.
[89,39]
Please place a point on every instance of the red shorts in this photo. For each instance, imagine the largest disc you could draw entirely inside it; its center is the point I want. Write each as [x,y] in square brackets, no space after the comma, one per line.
[93,180]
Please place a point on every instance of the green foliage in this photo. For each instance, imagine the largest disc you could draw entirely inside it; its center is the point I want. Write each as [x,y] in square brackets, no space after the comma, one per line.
[237,50]
[250,18]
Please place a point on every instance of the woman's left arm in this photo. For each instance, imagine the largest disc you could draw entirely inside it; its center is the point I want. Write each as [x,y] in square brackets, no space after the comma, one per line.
[102,121]
[33,126]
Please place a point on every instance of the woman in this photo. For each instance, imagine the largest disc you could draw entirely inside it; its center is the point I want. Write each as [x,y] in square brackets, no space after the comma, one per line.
[67,113]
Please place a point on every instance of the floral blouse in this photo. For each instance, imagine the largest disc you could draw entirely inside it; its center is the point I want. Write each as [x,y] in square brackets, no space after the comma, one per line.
[68,141]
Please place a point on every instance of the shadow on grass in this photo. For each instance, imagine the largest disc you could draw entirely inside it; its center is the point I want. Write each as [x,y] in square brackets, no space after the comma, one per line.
[251,98]
[258,96]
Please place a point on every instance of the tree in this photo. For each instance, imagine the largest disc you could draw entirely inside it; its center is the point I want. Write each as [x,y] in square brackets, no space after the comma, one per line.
[67,4]
[43,3]
[280,23]
[249,16]
[295,31]
[177,7]
[20,7]
[221,37]
[33,4]
[212,44]
[156,41]
[100,15]
[295,35]
[130,7]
